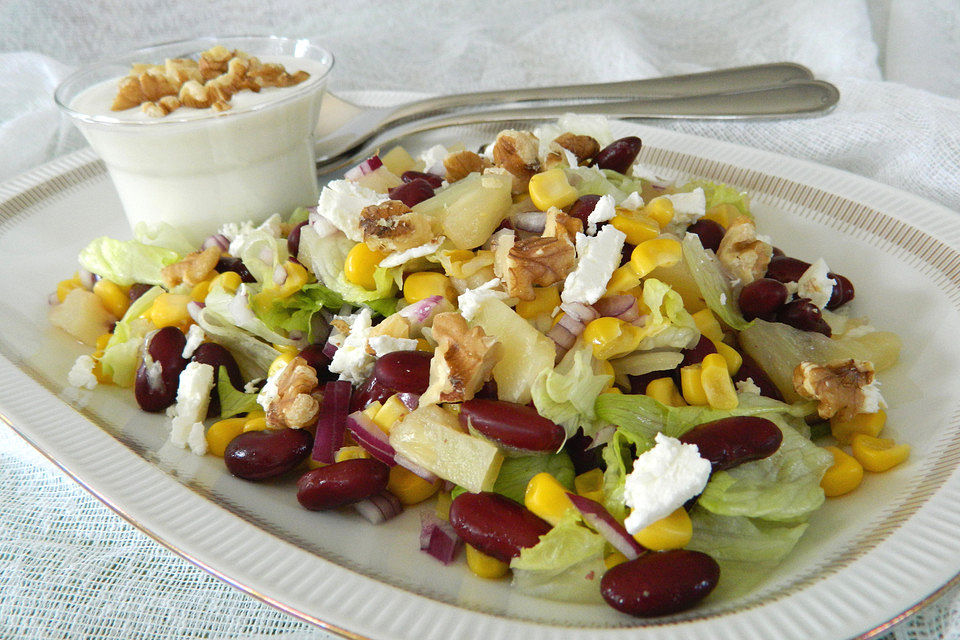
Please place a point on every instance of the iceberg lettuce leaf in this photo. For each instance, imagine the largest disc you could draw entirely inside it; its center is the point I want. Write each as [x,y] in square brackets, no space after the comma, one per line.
[669,324]
[714,285]
[163,235]
[232,400]
[253,355]
[296,312]
[742,539]
[515,473]
[717,193]
[121,356]
[126,262]
[566,393]
[261,252]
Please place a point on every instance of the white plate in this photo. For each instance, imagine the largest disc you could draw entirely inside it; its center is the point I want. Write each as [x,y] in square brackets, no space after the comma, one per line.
[867,559]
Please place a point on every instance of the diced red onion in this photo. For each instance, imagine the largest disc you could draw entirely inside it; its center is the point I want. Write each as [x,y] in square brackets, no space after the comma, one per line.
[571,324]
[194,308]
[534,221]
[409,400]
[239,308]
[641,321]
[562,336]
[616,306]
[448,486]
[216,240]
[329,350]
[410,465]
[279,274]
[438,538]
[296,335]
[332,423]
[379,507]
[582,312]
[606,525]
[420,310]
[371,437]
[369,165]
[87,278]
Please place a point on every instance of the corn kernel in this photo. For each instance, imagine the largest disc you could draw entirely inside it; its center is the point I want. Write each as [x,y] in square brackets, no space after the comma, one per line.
[691,385]
[612,390]
[843,476]
[878,454]
[551,189]
[660,209]
[722,214]
[614,559]
[113,296]
[424,284]
[200,290]
[170,310]
[671,532]
[623,279]
[589,484]
[647,256]
[257,423]
[66,286]
[280,363]
[409,487]
[485,566]
[229,281]
[391,411]
[350,452]
[372,409]
[545,301]
[707,324]
[221,433]
[869,423]
[716,382]
[102,341]
[637,227]
[360,265]
[611,337]
[730,355]
[665,391]
[547,498]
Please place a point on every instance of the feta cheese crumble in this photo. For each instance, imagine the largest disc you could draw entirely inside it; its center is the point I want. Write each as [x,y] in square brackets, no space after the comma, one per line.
[193,397]
[662,479]
[603,211]
[747,386]
[687,207]
[632,201]
[597,258]
[341,202]
[383,345]
[469,301]
[815,285]
[398,258]
[433,159]
[351,360]
[240,235]
[81,373]
[195,337]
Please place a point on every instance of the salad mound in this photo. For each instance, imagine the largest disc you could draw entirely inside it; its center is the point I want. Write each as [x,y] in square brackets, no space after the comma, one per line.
[608,385]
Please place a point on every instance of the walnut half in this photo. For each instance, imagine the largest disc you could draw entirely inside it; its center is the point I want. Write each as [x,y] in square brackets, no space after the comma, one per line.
[296,404]
[462,362]
[843,388]
[516,151]
[742,253]
[393,226]
[193,269]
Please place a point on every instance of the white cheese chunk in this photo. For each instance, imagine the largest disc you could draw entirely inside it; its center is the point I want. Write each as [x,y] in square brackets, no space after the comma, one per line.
[351,360]
[632,201]
[815,285]
[193,397]
[644,173]
[662,479]
[597,258]
[470,301]
[243,233]
[341,202]
[270,391]
[398,258]
[872,400]
[81,373]
[433,159]
[687,207]
[603,211]
[195,338]
[747,386]
[383,345]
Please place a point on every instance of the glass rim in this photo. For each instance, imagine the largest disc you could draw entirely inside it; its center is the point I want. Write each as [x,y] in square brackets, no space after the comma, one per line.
[67,92]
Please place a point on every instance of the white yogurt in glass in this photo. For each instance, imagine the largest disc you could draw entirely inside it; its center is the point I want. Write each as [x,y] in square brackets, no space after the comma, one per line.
[197,169]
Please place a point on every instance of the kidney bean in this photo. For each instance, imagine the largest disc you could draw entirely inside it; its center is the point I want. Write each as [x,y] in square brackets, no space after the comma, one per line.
[256,455]
[583,459]
[658,584]
[786,269]
[495,525]
[316,358]
[619,154]
[512,425]
[638,384]
[842,291]
[293,239]
[395,372]
[750,369]
[136,290]
[217,356]
[728,442]
[411,193]
[583,207]
[432,179]
[762,298]
[229,263]
[710,232]
[804,315]
[777,251]
[698,353]
[158,375]
[341,483]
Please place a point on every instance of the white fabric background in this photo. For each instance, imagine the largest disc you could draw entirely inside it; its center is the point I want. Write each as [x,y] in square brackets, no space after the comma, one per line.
[69,568]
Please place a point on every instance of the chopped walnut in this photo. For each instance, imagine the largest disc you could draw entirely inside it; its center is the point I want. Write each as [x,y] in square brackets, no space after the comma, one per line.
[461,164]
[516,151]
[296,404]
[843,388]
[742,253]
[537,262]
[583,147]
[193,269]
[561,226]
[393,226]
[462,362]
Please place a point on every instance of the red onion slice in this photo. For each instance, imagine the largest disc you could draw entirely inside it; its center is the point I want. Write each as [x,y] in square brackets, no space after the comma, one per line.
[579,311]
[421,310]
[379,507]
[216,240]
[371,437]
[562,336]
[410,400]
[369,165]
[438,538]
[329,349]
[332,422]
[410,465]
[534,221]
[87,278]
[623,307]
[194,308]
[606,525]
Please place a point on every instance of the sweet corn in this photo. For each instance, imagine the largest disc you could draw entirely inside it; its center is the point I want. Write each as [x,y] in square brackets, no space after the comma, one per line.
[221,433]
[611,337]
[102,341]
[722,214]
[660,209]
[716,382]
[614,559]
[409,487]
[843,476]
[280,362]
[485,566]
[878,454]
[665,391]
[66,286]
[372,409]
[647,256]
[547,299]
[170,310]
[297,276]
[730,355]
[869,423]
[707,324]
[638,227]
[671,532]
[200,290]
[113,296]
[551,189]
[229,281]
[547,498]
[612,390]
[360,265]
[691,385]
[424,284]
[623,280]
[350,452]
[257,423]
[589,484]
[391,411]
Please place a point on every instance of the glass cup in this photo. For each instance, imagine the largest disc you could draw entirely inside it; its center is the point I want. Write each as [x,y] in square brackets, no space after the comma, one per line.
[198,169]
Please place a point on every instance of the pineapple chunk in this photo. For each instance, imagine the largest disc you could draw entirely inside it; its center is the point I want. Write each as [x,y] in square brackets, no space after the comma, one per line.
[380,180]
[431,437]
[83,316]
[398,161]
[470,210]
[526,351]
[679,278]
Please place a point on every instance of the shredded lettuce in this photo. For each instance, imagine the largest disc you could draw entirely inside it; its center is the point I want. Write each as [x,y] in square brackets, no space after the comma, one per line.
[742,539]
[618,458]
[295,313]
[669,325]
[261,252]
[236,308]
[252,354]
[121,356]
[566,393]
[232,400]
[163,235]
[718,193]
[126,262]
[714,286]
[515,473]
[300,214]
[592,181]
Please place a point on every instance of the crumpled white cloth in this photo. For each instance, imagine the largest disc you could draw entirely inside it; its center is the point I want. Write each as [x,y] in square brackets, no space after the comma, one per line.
[69,568]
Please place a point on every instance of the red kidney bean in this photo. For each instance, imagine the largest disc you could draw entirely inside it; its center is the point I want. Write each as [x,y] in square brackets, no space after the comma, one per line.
[512,425]
[710,232]
[786,269]
[341,483]
[777,251]
[619,154]
[804,315]
[842,291]
[728,442]
[257,455]
[658,584]
[698,353]
[411,193]
[396,372]
[229,263]
[638,384]
[750,369]
[582,207]
[432,179]
[762,298]
[217,356]
[583,459]
[316,358]
[136,290]
[495,524]
[158,375]
[293,239]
